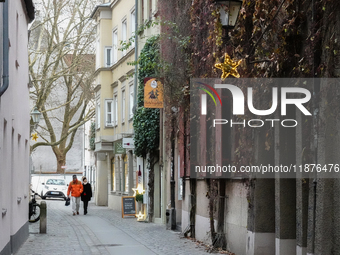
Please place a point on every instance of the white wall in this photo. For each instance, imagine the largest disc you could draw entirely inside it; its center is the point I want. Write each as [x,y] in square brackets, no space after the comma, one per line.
[236,215]
[115,202]
[44,159]
[14,132]
[89,159]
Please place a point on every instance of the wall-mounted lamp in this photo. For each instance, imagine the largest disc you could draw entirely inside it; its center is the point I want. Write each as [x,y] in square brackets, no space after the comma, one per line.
[229,11]
[35,116]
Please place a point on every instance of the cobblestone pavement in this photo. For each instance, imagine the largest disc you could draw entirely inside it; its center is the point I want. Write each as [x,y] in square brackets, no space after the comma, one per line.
[102,231]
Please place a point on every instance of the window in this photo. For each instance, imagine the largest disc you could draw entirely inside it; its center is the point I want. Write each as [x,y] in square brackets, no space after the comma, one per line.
[97,56]
[133,22]
[109,113]
[113,177]
[150,9]
[123,106]
[142,16]
[126,174]
[115,110]
[119,175]
[122,170]
[98,114]
[124,33]
[86,141]
[55,182]
[98,46]
[131,101]
[108,56]
[115,46]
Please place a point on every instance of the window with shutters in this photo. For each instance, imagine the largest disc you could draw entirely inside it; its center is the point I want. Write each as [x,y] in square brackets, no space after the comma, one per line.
[109,113]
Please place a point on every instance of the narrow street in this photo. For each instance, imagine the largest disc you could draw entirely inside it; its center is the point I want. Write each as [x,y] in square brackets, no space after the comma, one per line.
[102,231]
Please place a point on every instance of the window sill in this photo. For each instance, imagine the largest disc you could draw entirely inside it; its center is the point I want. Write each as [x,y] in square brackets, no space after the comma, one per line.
[119,193]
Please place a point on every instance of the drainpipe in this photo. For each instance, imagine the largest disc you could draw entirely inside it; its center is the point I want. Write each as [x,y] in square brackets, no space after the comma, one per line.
[136,55]
[172,177]
[316,91]
[5,46]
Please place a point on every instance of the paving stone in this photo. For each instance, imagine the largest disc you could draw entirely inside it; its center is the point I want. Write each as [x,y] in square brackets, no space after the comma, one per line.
[98,233]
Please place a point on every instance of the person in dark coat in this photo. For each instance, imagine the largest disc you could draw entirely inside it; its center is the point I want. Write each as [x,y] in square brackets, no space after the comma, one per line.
[87,194]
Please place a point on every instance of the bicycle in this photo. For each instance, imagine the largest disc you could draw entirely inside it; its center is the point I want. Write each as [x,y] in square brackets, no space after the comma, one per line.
[34,209]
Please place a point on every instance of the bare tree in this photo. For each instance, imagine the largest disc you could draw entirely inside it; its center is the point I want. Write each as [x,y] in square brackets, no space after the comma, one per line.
[61,64]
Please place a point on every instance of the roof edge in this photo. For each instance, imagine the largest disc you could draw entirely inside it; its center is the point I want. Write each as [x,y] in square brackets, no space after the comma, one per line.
[101,6]
[30,9]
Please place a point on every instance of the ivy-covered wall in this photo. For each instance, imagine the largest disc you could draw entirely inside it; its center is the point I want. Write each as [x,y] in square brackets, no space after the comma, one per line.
[146,120]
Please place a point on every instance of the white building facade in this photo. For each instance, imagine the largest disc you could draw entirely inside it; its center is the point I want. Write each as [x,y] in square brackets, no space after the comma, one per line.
[14,123]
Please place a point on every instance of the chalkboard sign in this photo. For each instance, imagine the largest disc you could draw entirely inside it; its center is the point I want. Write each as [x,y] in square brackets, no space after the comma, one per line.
[128,206]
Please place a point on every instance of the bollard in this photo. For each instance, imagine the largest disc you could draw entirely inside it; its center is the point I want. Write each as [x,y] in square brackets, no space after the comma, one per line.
[43,217]
[173,219]
[167,219]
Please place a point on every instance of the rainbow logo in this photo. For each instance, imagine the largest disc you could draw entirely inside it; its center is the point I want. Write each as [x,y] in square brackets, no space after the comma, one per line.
[204,97]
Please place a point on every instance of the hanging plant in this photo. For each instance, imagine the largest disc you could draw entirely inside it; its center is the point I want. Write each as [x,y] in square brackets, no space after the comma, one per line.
[139,197]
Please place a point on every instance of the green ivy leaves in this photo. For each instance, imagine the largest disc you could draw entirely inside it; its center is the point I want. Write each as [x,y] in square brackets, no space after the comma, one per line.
[92,136]
[146,120]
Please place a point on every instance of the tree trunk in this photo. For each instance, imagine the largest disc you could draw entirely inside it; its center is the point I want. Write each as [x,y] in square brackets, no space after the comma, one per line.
[212,197]
[61,161]
[220,241]
[193,195]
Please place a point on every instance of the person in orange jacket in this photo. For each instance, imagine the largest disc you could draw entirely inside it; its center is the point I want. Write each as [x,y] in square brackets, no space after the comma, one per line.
[75,188]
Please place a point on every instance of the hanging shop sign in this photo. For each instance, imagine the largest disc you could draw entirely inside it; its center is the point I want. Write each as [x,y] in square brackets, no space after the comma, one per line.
[153,93]
[119,148]
[128,143]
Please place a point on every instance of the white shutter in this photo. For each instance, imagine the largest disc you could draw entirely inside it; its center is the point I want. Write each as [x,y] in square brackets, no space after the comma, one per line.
[109,113]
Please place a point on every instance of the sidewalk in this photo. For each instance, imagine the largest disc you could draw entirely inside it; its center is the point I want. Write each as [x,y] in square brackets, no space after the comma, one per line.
[102,231]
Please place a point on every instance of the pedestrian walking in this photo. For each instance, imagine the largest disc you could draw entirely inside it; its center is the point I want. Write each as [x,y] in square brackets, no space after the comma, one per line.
[75,188]
[86,195]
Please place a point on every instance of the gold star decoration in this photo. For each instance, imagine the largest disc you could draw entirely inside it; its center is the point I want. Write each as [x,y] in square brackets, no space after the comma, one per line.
[135,190]
[229,67]
[140,216]
[34,137]
[138,190]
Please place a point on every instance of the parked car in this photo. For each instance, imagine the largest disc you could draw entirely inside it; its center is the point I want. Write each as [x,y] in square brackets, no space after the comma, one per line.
[54,188]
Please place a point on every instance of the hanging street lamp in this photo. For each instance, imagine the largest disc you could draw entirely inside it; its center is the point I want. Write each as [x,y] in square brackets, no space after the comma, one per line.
[229,11]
